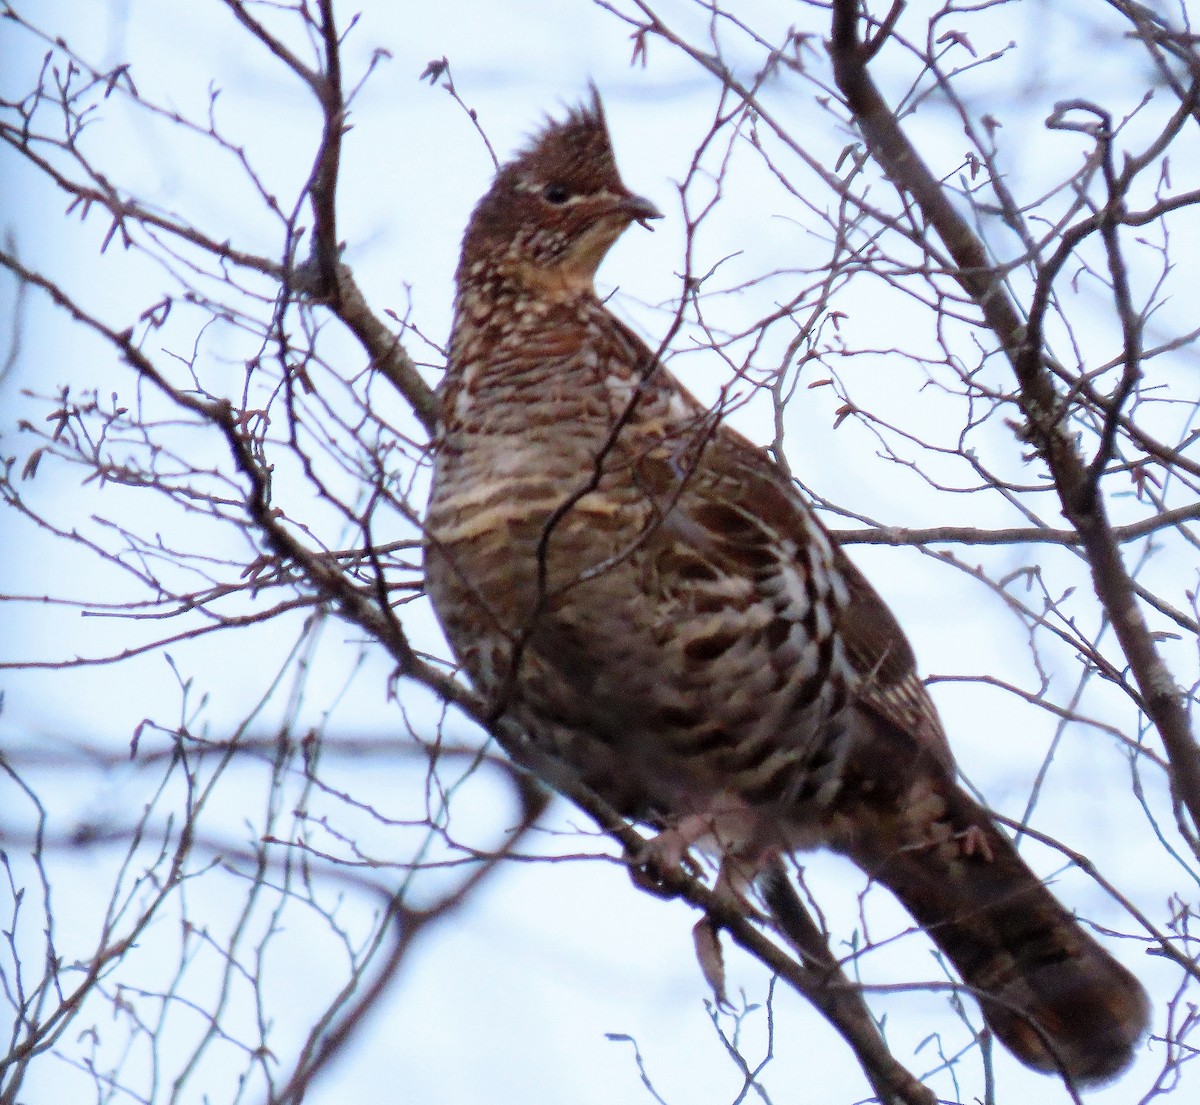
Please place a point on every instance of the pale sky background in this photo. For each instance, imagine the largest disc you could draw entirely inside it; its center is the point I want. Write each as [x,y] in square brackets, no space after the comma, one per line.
[513,1001]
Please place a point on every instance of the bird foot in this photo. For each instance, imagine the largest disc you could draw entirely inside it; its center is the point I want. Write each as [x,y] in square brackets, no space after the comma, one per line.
[973,841]
[661,855]
[732,888]
[668,852]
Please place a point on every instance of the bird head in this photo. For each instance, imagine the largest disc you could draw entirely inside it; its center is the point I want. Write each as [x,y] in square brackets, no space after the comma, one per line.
[554,211]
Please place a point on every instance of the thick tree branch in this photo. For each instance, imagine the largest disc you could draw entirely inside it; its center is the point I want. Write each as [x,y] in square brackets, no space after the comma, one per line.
[1044,409]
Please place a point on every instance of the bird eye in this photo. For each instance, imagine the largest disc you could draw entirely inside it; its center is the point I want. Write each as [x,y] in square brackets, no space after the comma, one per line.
[556,193]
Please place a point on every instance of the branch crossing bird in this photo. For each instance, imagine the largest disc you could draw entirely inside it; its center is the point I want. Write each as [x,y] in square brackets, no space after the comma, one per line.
[653,601]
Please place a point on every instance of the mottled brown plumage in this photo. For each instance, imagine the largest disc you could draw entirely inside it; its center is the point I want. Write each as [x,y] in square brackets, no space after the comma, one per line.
[644,591]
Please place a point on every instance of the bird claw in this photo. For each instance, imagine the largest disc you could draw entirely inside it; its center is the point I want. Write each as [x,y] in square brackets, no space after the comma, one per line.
[732,889]
[650,864]
[973,841]
[648,876]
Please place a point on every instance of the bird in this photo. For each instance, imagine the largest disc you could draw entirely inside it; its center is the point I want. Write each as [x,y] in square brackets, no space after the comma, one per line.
[650,598]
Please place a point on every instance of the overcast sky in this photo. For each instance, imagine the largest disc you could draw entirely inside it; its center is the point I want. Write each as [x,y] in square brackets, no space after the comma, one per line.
[515,1001]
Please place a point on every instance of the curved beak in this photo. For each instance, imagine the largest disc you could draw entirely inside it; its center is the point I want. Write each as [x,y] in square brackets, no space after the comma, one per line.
[639,209]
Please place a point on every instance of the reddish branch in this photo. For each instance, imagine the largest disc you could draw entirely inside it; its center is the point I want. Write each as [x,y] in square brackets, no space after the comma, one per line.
[814,971]
[323,277]
[1045,409]
[1015,535]
[406,926]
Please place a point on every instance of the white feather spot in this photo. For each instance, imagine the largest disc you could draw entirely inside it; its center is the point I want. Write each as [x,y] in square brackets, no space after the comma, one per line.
[806,664]
[620,386]
[678,408]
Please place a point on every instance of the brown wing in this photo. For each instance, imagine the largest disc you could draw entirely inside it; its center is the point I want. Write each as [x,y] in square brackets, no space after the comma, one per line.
[886,667]
[769,512]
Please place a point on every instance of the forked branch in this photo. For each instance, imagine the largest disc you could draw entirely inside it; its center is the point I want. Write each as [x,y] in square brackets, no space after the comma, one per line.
[1045,410]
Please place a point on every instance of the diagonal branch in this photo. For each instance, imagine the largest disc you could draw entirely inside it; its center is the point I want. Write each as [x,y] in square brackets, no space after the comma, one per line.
[1044,409]
[811,971]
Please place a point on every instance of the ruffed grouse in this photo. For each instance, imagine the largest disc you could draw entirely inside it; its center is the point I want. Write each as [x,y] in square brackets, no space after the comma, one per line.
[651,599]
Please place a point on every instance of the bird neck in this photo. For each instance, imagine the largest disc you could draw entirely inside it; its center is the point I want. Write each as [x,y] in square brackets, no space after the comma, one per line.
[502,283]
